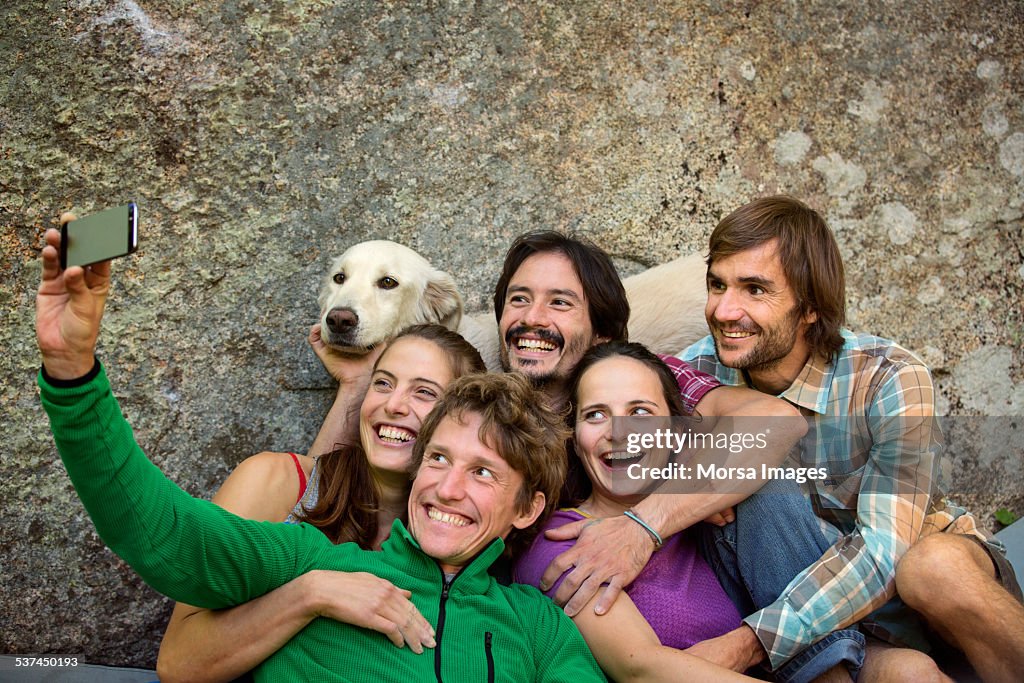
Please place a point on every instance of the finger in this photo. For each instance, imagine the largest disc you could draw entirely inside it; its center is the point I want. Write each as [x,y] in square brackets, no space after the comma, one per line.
[416,633]
[411,637]
[608,596]
[418,620]
[97,273]
[729,514]
[560,565]
[416,630]
[570,584]
[401,611]
[584,595]
[74,281]
[393,632]
[566,532]
[51,257]
[377,351]
[314,335]
[388,627]
[52,237]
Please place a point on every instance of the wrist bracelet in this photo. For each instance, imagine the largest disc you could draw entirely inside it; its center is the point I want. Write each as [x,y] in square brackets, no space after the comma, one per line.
[655,536]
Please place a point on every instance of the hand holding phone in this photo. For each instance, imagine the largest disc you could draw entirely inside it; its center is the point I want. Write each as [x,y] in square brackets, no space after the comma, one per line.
[102,236]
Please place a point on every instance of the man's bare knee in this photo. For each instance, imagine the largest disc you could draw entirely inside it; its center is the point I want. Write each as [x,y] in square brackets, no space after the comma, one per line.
[899,664]
[941,565]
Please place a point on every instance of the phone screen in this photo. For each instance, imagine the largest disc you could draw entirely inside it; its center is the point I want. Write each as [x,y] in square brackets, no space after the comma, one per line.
[101,236]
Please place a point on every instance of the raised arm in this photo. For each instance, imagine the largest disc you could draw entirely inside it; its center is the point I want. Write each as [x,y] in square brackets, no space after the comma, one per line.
[163,533]
[353,375]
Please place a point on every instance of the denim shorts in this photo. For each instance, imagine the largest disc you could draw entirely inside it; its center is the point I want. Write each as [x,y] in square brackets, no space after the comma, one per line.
[1005,574]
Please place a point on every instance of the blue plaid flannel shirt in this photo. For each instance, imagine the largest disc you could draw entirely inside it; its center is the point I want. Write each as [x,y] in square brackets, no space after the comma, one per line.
[870,425]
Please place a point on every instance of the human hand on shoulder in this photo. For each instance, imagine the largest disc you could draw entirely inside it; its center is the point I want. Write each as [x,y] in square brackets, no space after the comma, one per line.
[69,307]
[609,552]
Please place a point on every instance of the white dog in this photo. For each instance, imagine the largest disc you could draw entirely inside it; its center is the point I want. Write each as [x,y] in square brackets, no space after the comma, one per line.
[377,288]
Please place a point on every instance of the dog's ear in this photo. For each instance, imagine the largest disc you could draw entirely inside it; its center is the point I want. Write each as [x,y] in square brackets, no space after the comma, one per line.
[441,300]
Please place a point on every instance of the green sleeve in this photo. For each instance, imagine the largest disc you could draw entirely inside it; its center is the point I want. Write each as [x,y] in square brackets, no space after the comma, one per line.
[561,653]
[190,550]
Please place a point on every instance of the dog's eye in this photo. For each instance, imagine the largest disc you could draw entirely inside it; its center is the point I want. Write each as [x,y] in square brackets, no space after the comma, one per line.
[387,282]
[339,278]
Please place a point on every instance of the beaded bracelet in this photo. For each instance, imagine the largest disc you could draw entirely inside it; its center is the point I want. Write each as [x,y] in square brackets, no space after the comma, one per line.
[655,536]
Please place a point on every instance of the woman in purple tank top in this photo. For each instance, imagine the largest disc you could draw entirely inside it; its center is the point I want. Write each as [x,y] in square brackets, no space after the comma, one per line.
[676,601]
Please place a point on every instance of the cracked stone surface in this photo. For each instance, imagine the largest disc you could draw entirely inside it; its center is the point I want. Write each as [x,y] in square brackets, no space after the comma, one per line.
[261,138]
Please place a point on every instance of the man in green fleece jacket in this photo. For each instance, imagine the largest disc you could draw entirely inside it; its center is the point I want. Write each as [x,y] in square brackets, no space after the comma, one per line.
[486,471]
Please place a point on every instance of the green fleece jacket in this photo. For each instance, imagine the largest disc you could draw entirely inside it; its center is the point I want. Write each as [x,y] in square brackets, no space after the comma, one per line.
[195,552]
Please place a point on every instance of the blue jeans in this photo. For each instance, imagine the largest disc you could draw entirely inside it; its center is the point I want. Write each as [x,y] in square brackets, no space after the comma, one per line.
[775,537]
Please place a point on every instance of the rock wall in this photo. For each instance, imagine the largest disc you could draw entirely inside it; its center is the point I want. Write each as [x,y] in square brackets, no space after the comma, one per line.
[261,138]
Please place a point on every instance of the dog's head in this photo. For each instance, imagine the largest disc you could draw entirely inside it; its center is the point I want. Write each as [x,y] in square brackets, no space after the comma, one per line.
[377,288]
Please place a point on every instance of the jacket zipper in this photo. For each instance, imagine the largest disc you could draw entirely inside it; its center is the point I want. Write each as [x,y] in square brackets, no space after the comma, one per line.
[490,657]
[440,626]
[445,587]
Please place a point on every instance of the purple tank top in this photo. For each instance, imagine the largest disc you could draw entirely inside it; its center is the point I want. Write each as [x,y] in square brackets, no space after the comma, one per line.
[677,591]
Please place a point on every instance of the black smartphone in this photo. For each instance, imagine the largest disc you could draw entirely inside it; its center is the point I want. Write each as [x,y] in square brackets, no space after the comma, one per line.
[101,236]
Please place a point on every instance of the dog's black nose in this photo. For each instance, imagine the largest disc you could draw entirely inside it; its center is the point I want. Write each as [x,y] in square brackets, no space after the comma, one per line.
[342,320]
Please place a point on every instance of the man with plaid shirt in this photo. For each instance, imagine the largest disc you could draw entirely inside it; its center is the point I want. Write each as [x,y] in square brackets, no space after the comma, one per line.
[912,568]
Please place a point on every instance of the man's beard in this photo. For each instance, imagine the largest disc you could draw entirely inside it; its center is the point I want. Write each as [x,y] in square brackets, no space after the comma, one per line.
[542,381]
[774,345]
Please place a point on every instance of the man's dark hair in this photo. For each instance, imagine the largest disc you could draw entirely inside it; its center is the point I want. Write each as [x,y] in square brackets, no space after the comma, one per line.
[809,255]
[606,297]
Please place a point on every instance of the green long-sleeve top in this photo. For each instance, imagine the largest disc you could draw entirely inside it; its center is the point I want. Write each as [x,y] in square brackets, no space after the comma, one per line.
[195,552]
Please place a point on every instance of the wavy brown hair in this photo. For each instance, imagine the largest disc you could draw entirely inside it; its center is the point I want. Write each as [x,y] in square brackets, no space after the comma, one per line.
[518,424]
[348,502]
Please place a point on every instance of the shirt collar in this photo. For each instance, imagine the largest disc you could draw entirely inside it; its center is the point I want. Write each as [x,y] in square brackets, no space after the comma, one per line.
[473,577]
[810,389]
[812,386]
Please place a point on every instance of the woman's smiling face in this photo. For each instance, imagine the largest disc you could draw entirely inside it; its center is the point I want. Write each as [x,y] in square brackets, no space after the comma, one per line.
[409,378]
[616,387]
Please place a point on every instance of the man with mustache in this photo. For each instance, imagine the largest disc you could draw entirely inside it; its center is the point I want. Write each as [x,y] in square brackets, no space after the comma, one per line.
[890,539]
